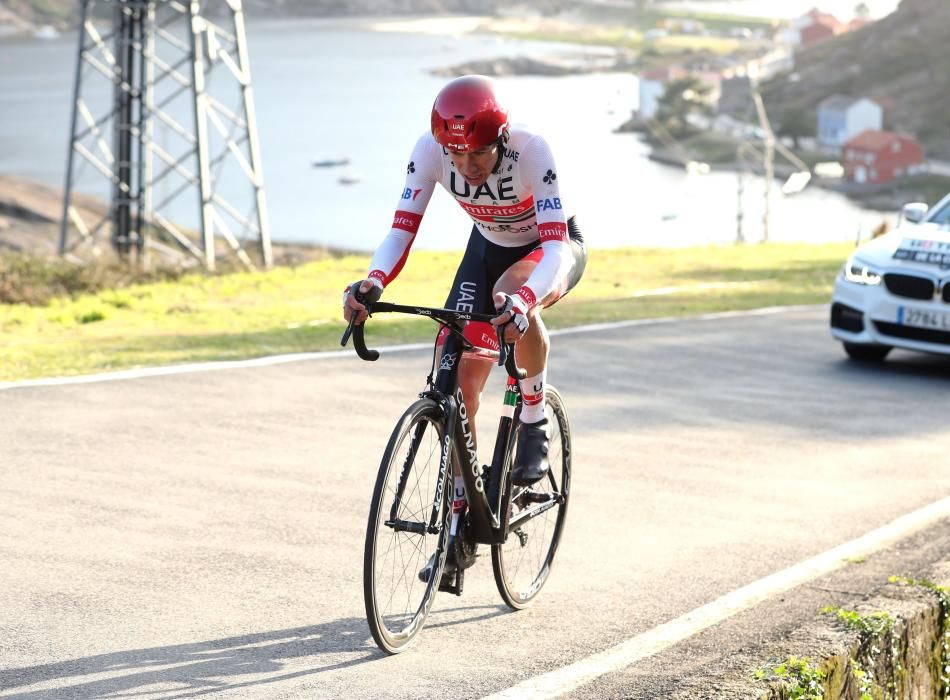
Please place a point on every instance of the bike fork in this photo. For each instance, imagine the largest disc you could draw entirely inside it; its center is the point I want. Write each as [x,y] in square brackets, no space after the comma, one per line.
[445,463]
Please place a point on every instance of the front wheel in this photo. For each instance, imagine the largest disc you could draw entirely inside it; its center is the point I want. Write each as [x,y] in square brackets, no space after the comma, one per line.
[401,536]
[523,561]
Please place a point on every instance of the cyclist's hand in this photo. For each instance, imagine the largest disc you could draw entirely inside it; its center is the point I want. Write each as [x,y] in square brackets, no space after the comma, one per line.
[352,306]
[511,315]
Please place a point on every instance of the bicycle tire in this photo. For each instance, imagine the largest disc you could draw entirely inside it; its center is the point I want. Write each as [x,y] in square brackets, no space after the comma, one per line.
[522,563]
[397,601]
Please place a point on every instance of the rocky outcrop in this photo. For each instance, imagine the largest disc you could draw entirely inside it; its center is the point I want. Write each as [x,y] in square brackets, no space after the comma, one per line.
[573,64]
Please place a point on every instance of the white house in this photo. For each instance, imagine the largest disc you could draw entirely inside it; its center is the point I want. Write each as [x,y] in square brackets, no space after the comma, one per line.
[652,86]
[841,118]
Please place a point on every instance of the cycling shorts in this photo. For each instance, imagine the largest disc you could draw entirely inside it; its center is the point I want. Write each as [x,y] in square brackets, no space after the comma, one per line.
[483,265]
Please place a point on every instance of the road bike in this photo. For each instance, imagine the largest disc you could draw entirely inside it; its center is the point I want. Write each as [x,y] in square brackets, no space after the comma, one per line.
[410,516]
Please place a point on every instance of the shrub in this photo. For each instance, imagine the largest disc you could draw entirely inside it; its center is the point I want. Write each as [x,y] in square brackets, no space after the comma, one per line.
[35,281]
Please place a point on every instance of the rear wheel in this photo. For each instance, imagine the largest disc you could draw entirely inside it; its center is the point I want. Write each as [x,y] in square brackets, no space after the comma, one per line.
[399,541]
[523,561]
[866,352]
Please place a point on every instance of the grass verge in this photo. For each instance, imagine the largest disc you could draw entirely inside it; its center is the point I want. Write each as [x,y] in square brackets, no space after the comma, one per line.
[242,315]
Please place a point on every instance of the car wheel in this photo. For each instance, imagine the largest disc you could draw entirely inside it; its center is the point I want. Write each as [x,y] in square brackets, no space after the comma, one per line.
[866,353]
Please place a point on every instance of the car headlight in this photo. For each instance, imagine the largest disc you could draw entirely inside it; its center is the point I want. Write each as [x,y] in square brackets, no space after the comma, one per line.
[859,272]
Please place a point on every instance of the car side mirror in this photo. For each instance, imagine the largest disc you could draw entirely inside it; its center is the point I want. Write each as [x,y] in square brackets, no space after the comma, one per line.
[914,212]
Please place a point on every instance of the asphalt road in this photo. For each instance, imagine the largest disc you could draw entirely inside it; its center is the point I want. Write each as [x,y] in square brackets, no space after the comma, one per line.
[202,534]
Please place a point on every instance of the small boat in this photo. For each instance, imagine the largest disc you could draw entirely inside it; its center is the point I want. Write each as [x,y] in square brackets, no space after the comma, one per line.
[331,162]
[349,179]
[47,31]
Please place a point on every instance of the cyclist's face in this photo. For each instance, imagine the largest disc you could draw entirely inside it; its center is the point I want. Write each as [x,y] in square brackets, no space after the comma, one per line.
[476,166]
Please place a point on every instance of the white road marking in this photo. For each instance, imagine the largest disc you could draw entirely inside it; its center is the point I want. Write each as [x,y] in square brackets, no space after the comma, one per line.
[200,367]
[566,679]
[302,356]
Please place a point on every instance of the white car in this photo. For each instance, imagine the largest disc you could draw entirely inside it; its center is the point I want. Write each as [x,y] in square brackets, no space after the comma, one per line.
[894,291]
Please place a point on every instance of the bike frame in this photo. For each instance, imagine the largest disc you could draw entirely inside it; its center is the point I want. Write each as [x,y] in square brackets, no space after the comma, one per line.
[488,493]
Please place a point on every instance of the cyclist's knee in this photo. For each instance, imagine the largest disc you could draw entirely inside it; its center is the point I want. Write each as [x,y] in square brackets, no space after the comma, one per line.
[537,332]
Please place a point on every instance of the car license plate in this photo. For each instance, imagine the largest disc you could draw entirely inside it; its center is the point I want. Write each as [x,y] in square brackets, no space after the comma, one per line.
[922,318]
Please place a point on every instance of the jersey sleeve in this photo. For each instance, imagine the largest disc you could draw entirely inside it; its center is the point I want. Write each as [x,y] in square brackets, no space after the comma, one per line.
[422,174]
[539,174]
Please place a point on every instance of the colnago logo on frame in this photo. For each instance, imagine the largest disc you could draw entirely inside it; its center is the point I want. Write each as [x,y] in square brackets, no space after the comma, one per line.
[448,360]
[469,442]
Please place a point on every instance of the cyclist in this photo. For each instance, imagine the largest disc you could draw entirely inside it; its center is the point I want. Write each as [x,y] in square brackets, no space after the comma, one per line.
[523,253]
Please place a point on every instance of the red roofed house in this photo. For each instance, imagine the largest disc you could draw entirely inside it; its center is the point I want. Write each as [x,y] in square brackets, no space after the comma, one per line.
[817,26]
[880,156]
[813,33]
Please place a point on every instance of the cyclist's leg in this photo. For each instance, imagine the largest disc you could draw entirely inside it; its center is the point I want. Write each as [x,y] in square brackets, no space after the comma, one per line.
[532,350]
[471,293]
[531,353]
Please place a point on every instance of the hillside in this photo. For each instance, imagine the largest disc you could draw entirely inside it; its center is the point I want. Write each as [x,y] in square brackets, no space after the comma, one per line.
[901,61]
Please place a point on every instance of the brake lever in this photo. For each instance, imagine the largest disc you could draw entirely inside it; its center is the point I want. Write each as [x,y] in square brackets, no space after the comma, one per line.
[348,332]
[502,345]
[367,299]
[506,355]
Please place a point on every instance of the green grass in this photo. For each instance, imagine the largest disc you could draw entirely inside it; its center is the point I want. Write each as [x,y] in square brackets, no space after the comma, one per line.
[243,314]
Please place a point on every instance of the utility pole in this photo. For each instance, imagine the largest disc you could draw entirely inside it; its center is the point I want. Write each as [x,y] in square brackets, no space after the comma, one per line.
[156,59]
[747,155]
[768,160]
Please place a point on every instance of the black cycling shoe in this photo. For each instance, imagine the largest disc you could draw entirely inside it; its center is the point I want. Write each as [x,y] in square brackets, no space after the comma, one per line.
[448,571]
[531,460]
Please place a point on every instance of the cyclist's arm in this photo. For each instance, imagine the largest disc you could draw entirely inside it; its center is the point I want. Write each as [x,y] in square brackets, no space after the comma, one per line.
[421,175]
[539,174]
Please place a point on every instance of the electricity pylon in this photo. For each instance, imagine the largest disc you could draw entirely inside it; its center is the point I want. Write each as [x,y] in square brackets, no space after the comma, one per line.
[155,132]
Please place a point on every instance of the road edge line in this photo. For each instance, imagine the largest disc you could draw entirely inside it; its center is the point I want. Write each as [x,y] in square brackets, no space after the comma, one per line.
[555,683]
[268,360]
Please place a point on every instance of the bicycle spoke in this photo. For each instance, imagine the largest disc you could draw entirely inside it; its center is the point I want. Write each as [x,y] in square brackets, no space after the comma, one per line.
[397,600]
[522,562]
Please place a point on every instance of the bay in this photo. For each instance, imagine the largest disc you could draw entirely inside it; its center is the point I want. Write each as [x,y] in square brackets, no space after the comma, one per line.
[341,89]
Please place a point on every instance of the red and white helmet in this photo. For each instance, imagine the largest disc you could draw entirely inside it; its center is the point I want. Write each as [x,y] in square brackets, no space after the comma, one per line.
[467,115]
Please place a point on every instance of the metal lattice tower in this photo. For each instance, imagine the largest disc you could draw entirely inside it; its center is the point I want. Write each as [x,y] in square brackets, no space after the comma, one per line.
[154,137]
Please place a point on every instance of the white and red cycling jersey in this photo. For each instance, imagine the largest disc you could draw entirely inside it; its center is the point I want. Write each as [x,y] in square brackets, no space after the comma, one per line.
[518,205]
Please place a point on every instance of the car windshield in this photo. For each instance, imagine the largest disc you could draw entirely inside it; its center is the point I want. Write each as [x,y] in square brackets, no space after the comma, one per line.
[941,216]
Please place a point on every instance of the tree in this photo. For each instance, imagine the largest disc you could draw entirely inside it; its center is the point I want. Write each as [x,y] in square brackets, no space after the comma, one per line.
[862,11]
[797,123]
[683,99]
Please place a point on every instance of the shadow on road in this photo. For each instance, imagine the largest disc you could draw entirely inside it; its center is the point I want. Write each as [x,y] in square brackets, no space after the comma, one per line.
[191,670]
[490,612]
[900,364]
[201,668]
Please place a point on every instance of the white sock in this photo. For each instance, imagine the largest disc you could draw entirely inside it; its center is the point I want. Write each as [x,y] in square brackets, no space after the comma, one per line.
[532,398]
[458,502]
